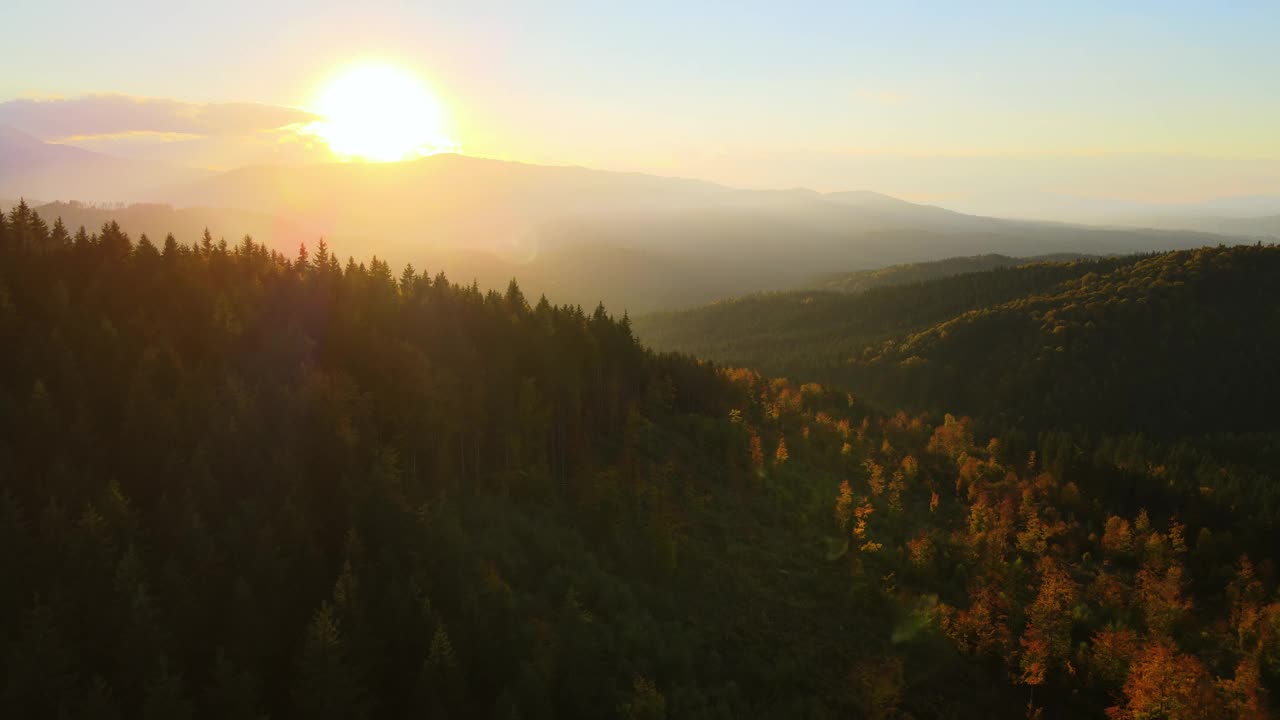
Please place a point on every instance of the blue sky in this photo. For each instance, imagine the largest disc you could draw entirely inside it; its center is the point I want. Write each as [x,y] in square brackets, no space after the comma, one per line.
[672,86]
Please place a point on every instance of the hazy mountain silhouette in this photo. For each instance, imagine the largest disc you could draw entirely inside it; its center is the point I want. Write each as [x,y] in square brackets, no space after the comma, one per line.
[49,171]
[1245,214]
[1265,226]
[637,242]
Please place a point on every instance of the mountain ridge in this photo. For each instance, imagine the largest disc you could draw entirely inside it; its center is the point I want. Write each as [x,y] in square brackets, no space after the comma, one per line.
[1038,346]
[33,168]
[489,220]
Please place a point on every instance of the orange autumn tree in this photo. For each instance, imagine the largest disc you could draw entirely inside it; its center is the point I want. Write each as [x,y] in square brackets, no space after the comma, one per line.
[860,514]
[875,477]
[952,437]
[983,627]
[1046,642]
[1246,594]
[1166,683]
[1117,537]
[1160,597]
[844,507]
[781,455]
[1244,695]
[757,453]
[1111,651]
[1253,626]
[921,550]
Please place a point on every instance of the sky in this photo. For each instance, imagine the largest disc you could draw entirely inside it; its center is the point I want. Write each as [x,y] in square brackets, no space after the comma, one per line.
[962,103]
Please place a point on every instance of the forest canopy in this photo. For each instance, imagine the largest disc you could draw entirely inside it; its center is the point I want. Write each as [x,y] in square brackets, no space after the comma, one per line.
[1168,344]
[240,484]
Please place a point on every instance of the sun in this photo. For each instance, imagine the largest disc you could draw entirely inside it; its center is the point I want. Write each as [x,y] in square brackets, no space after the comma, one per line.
[380,112]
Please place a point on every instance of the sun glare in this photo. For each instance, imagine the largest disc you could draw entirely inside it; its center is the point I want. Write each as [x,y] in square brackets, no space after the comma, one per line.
[380,112]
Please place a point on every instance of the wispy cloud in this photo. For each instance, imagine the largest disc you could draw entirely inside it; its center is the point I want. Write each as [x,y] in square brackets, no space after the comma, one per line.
[137,136]
[107,115]
[206,135]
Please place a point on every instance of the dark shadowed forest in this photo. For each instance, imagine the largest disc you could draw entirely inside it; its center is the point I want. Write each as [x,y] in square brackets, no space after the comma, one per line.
[1167,344]
[244,485]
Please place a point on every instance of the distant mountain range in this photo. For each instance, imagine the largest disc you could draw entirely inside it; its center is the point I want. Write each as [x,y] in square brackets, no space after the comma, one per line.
[1214,214]
[1263,227]
[637,242]
[49,171]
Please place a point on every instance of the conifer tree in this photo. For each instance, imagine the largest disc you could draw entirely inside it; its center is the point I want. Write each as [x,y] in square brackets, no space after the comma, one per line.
[58,235]
[325,686]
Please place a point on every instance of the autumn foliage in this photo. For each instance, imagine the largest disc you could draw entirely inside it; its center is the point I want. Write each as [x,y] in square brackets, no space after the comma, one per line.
[235,483]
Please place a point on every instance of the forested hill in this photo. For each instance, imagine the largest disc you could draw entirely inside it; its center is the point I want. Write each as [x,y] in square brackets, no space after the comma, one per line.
[912,273]
[1177,343]
[814,333]
[1164,343]
[239,485]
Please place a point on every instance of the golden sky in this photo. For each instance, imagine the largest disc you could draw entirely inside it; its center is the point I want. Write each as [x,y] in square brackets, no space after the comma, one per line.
[1162,101]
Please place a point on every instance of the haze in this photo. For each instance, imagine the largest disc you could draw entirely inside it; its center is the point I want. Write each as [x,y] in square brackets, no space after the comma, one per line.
[1086,112]
[651,361]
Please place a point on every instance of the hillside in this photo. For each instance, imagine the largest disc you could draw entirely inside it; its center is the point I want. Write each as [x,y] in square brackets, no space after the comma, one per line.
[910,273]
[1088,353]
[811,333]
[242,485]
[1039,346]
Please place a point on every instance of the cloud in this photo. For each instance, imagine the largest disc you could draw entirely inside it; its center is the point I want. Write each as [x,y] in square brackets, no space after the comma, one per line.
[119,115]
[204,135]
[130,136]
